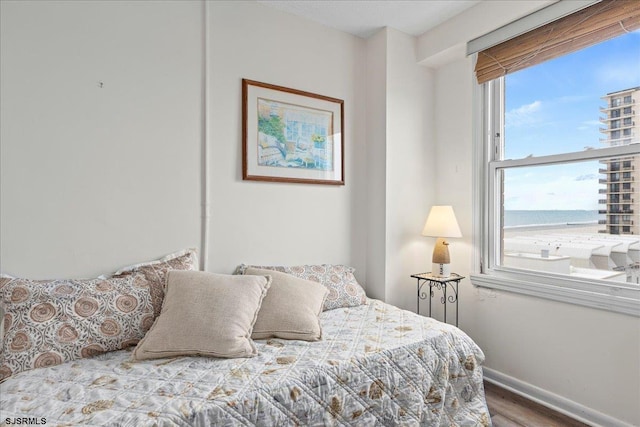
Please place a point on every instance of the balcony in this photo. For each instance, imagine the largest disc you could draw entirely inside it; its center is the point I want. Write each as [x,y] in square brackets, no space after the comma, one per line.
[612,142]
[617,104]
[615,210]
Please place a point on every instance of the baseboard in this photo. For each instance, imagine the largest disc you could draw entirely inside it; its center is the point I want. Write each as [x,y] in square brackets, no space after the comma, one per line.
[553,401]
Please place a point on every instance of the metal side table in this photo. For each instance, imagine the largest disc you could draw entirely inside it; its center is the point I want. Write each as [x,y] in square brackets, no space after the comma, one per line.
[441,284]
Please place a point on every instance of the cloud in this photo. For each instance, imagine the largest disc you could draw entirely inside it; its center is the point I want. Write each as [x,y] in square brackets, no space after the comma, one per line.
[589,124]
[555,189]
[622,75]
[570,99]
[587,177]
[523,115]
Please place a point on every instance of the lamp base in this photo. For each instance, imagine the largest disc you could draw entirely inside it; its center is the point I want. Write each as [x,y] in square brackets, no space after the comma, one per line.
[441,270]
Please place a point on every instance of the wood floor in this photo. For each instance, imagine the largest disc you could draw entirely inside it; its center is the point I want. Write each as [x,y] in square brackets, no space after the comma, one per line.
[508,409]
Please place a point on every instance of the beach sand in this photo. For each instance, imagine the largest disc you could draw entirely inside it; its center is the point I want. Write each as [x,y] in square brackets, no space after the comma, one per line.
[553,229]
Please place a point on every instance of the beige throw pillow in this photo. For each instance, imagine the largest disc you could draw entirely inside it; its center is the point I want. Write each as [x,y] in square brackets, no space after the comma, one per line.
[205,314]
[291,308]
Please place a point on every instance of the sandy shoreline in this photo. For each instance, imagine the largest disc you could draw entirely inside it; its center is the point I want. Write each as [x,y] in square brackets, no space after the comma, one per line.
[553,229]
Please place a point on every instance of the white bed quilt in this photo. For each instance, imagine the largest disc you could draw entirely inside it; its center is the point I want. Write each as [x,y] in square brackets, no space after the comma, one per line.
[376,365]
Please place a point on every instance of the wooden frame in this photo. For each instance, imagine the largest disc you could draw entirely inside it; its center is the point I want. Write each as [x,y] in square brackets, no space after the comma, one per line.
[289,135]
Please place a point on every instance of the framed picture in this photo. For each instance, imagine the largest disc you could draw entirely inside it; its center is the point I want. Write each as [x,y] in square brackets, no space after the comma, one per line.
[291,136]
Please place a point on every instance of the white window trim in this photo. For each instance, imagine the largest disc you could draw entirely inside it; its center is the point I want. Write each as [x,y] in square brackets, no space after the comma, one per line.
[614,297]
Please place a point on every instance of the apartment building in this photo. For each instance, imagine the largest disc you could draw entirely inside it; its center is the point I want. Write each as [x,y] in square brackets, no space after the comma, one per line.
[621,180]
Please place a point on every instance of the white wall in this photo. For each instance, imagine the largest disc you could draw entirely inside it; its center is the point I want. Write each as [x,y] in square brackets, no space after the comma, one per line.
[278,223]
[97,177]
[411,173]
[582,358]
[400,162]
[376,135]
[93,177]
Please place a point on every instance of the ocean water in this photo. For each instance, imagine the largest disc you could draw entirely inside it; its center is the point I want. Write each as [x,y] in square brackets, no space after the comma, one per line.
[516,218]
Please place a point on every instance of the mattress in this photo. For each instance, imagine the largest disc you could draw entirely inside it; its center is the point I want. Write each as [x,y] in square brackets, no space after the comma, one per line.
[376,365]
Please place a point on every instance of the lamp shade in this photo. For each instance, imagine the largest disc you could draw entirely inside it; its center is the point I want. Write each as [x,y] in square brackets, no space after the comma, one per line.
[441,222]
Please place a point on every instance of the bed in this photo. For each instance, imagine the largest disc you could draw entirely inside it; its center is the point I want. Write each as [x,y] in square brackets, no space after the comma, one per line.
[375,364]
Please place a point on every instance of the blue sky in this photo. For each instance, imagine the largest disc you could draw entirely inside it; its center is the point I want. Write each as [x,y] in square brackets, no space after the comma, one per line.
[554,107]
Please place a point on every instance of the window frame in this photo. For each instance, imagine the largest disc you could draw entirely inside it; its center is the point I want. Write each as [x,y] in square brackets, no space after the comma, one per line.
[488,125]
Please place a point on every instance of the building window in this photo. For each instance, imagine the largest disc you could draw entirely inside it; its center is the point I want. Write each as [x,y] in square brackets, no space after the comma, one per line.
[550,182]
[627,110]
[627,99]
[626,121]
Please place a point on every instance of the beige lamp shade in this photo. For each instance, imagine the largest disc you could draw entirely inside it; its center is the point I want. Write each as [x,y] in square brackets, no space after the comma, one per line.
[441,223]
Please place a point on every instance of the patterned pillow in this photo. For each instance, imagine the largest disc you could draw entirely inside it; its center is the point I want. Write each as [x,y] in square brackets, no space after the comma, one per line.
[49,322]
[344,289]
[156,273]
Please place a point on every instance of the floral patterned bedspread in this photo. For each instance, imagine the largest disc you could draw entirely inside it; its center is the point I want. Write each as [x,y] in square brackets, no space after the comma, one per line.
[376,365]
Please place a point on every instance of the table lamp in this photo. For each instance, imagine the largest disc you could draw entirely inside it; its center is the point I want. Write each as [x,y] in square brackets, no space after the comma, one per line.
[441,223]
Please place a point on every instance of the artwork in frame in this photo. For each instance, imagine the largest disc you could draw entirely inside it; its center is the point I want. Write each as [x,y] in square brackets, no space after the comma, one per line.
[291,136]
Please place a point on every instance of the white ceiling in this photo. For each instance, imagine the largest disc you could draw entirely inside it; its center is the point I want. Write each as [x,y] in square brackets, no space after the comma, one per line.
[364,18]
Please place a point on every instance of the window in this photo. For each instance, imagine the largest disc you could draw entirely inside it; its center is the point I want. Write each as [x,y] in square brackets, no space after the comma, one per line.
[627,110]
[552,173]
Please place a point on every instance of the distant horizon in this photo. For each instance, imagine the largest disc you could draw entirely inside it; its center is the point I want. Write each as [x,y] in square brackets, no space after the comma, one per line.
[530,217]
[553,210]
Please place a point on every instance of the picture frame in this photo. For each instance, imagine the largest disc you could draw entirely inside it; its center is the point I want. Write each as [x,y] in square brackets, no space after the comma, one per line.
[290,135]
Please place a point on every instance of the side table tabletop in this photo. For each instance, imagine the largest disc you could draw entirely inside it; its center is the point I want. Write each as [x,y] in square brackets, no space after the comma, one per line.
[441,284]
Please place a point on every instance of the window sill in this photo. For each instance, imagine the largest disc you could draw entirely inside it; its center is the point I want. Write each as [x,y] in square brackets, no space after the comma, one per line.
[623,299]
